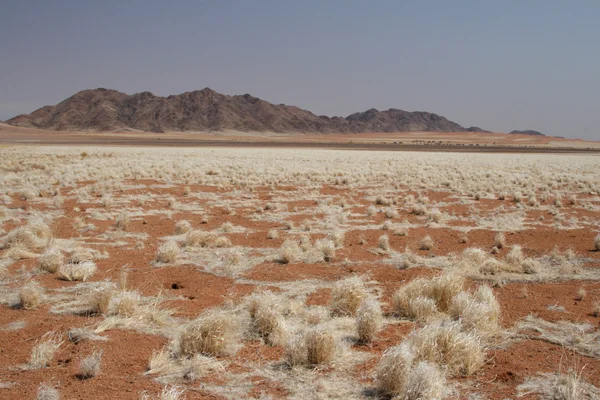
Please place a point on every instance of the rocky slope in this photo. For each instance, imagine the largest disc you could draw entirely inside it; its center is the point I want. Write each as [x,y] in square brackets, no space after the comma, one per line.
[207,110]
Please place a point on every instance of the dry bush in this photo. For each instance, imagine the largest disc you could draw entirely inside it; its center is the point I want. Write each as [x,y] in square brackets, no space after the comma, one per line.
[80,255]
[398,377]
[51,260]
[597,243]
[596,309]
[384,243]
[32,237]
[347,295]
[337,238]
[289,252]
[426,243]
[214,333]
[315,346]
[549,386]
[182,227]
[168,367]
[444,342]
[43,351]
[369,320]
[327,249]
[99,301]
[227,227]
[76,272]
[89,367]
[31,295]
[581,293]
[47,392]
[267,319]
[273,234]
[200,238]
[416,300]
[479,311]
[168,252]
[500,240]
[122,221]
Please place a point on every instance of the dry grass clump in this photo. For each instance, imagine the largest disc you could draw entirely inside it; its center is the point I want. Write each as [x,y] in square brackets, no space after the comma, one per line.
[31,295]
[122,221]
[445,342]
[200,238]
[169,367]
[89,367]
[47,392]
[266,313]
[479,311]
[51,260]
[474,261]
[43,351]
[215,333]
[553,386]
[499,240]
[168,252]
[289,252]
[384,243]
[399,377]
[80,255]
[32,237]
[99,301]
[347,295]
[182,227]
[76,271]
[596,309]
[423,298]
[273,234]
[581,293]
[369,320]
[315,346]
[327,249]
[426,243]
[597,243]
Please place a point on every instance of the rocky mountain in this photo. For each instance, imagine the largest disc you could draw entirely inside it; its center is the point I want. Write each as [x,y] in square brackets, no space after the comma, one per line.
[207,110]
[527,132]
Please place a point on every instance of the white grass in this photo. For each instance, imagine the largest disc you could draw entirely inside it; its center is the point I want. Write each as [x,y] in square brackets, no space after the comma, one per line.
[76,272]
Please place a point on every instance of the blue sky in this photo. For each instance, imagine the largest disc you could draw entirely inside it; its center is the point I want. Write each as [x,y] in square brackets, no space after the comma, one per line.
[500,65]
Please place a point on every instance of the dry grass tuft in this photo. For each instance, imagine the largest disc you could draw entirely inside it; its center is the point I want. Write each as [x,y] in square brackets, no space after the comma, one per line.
[289,252]
[76,272]
[315,346]
[426,243]
[47,392]
[369,320]
[267,318]
[500,240]
[444,342]
[384,243]
[549,386]
[479,311]
[31,295]
[398,377]
[347,295]
[422,298]
[215,333]
[182,227]
[168,252]
[51,260]
[273,234]
[43,351]
[597,243]
[89,367]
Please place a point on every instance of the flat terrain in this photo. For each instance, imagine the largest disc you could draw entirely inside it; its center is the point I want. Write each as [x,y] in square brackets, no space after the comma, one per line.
[127,272]
[403,141]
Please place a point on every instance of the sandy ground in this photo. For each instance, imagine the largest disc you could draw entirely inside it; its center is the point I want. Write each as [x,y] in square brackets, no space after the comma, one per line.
[215,200]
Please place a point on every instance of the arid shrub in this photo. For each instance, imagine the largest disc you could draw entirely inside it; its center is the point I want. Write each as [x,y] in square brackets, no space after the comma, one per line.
[89,367]
[327,249]
[76,272]
[347,295]
[31,295]
[289,252]
[51,260]
[122,221]
[368,320]
[47,392]
[500,240]
[182,227]
[168,252]
[597,243]
[267,320]
[444,342]
[384,243]
[214,333]
[426,243]
[315,346]
[273,234]
[43,351]
[479,311]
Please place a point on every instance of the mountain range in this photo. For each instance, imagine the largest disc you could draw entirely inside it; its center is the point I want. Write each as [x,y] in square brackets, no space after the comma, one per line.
[207,110]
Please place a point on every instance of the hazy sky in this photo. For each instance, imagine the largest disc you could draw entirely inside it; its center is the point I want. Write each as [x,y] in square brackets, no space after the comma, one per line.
[500,65]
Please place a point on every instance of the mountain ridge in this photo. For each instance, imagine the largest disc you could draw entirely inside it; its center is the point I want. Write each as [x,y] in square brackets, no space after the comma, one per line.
[207,110]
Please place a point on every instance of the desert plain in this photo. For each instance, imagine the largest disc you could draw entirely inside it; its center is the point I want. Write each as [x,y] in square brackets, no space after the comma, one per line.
[149,272]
